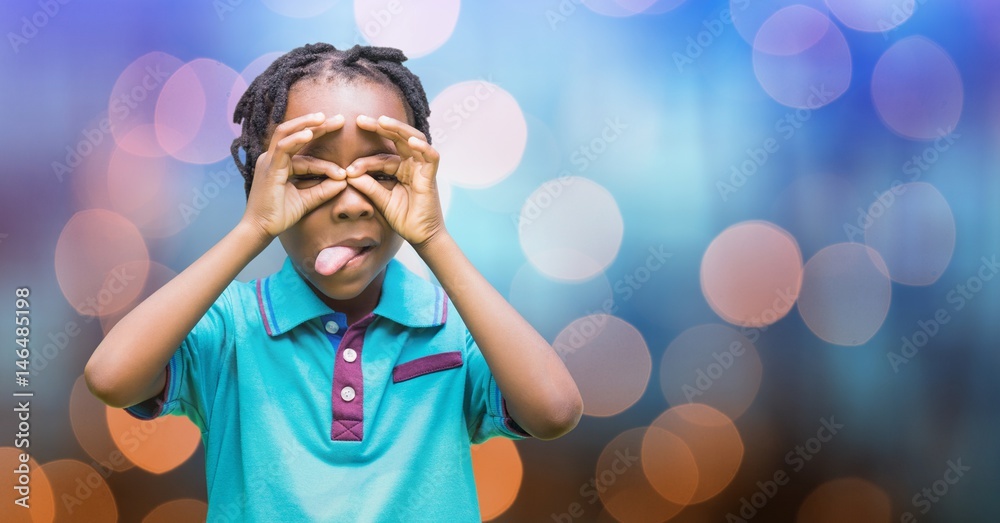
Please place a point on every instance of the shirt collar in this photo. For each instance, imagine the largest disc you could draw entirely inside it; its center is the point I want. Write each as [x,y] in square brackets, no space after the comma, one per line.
[286,301]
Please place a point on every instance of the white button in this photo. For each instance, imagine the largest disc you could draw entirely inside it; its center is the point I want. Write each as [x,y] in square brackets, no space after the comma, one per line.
[332,327]
[347,393]
[350,355]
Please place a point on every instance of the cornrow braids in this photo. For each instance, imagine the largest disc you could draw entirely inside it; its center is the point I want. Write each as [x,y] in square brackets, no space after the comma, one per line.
[265,101]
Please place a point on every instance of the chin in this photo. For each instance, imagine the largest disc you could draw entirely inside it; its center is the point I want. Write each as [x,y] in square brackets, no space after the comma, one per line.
[338,288]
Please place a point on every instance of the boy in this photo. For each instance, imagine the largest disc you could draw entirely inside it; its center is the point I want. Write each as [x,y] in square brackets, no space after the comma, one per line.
[336,388]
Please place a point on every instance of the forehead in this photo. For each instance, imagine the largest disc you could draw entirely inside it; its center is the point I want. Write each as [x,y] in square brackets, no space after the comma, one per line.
[349,98]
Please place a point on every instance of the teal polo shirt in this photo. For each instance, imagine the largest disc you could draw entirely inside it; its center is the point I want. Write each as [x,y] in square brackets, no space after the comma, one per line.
[306,418]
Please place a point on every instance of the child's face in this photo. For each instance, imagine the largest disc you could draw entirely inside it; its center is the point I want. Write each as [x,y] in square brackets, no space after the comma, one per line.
[349,215]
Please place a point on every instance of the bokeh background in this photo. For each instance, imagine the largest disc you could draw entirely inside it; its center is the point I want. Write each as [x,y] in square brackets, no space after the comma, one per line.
[761,235]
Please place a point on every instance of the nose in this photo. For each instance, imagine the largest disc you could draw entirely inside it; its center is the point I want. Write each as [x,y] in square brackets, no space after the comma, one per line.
[351,204]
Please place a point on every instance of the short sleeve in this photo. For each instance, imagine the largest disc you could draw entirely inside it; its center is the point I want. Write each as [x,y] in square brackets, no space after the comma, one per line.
[194,369]
[485,408]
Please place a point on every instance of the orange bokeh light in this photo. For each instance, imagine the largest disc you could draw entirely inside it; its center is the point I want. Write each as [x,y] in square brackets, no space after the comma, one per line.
[81,491]
[713,440]
[622,484]
[157,445]
[41,503]
[497,468]
[178,510]
[846,499]
[669,465]
[87,416]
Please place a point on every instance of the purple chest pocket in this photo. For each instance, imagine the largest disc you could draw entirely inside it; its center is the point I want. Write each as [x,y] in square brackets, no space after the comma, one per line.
[426,365]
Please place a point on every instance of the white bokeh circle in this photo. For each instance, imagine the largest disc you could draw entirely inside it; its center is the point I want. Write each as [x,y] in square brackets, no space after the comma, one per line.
[570,228]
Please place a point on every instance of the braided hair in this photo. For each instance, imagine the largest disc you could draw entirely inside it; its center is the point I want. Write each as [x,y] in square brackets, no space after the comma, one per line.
[265,101]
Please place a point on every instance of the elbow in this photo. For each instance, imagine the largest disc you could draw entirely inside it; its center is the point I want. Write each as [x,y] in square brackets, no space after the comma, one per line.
[102,386]
[564,418]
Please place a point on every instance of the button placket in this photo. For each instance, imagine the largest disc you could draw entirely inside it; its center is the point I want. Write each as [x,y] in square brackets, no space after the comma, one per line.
[348,384]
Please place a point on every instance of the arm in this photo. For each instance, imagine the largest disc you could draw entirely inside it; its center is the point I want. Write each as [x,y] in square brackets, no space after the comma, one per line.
[540,393]
[129,366]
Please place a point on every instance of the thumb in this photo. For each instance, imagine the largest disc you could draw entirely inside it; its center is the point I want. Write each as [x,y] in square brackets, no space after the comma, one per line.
[318,194]
[380,196]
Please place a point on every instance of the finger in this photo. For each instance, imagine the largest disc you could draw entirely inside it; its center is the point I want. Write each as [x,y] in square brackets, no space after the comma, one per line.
[331,124]
[287,145]
[290,127]
[412,136]
[328,125]
[385,162]
[401,128]
[274,164]
[290,137]
[380,196]
[401,168]
[370,124]
[280,156]
[316,195]
[302,164]
[429,154]
[422,150]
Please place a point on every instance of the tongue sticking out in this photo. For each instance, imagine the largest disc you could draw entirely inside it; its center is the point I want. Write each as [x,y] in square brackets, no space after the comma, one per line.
[332,259]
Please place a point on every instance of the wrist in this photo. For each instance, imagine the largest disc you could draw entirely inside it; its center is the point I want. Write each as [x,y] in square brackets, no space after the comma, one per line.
[250,231]
[433,243]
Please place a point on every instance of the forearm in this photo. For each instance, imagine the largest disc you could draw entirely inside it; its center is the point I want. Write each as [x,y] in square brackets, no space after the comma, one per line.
[540,392]
[128,364]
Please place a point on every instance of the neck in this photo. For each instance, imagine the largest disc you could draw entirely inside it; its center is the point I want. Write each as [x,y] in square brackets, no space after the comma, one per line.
[359,306]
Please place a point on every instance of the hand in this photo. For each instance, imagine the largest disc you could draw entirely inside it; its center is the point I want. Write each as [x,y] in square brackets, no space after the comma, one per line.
[411,206]
[284,188]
